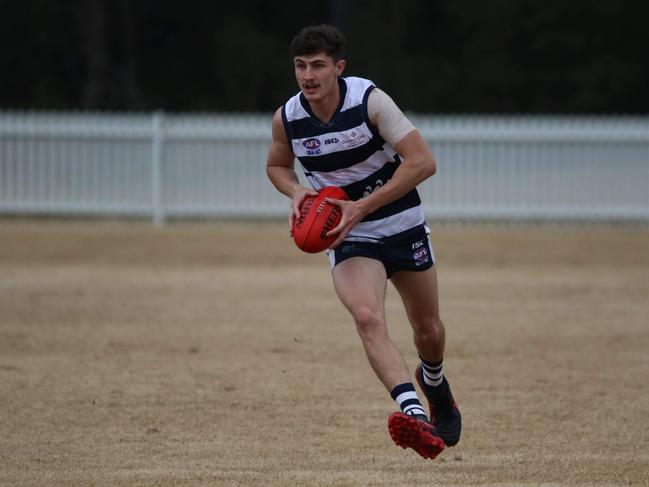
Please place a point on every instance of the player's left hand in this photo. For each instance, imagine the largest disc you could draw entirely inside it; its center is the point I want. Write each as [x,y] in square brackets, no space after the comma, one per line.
[351,215]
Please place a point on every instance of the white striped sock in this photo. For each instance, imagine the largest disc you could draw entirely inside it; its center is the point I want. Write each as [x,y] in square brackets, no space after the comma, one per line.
[406,397]
[414,410]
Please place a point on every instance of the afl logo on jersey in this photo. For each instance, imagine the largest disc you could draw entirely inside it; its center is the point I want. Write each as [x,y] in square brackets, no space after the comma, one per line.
[312,146]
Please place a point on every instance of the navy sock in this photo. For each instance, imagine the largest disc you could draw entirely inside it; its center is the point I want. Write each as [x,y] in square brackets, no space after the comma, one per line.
[433,373]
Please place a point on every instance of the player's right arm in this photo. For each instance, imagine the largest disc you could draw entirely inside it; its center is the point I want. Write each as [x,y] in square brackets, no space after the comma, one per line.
[280,169]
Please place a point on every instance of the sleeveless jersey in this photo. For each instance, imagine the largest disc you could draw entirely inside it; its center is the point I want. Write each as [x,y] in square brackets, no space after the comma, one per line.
[350,153]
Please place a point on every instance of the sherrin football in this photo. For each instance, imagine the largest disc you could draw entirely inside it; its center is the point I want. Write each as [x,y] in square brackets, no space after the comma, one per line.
[317,217]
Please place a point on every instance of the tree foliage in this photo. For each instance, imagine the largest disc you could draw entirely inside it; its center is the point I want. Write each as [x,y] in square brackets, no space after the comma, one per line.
[434,56]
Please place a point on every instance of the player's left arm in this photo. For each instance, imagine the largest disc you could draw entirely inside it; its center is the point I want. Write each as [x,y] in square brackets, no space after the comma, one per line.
[417,165]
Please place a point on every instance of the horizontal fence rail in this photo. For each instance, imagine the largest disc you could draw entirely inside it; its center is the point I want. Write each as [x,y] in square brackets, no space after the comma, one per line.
[163,166]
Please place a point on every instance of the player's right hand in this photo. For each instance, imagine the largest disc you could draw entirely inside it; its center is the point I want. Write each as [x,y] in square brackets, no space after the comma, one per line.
[298,197]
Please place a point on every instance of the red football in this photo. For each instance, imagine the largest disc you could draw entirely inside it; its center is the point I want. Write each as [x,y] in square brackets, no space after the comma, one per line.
[317,217]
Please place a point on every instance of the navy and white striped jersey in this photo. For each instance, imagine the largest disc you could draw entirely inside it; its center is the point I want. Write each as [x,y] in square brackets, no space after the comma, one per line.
[350,153]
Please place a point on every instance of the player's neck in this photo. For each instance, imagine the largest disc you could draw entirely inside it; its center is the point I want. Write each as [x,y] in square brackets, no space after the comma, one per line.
[325,108]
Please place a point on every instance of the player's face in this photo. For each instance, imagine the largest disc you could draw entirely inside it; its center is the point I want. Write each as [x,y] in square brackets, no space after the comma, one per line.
[317,75]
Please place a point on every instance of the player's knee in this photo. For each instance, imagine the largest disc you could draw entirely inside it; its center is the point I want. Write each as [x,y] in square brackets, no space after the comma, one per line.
[369,320]
[432,334]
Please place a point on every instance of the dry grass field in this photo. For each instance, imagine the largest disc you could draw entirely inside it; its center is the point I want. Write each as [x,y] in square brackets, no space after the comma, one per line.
[218,354]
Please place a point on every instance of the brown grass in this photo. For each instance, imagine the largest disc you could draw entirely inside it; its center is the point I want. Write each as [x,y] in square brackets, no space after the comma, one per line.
[217,354]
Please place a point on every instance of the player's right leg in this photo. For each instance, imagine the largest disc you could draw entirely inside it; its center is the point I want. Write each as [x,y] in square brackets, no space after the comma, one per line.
[360,283]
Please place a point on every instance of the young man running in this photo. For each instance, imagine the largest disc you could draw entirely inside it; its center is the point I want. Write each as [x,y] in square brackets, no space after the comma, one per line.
[367,146]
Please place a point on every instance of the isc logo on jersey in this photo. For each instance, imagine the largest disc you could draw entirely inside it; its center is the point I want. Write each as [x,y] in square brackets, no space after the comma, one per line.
[312,146]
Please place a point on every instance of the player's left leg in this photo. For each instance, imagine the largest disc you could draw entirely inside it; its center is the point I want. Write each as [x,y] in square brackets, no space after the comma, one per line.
[418,290]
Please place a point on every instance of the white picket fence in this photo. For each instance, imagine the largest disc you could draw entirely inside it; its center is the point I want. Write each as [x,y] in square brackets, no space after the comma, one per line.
[174,166]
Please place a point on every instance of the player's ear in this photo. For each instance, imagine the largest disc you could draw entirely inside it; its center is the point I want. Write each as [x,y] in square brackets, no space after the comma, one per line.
[340,67]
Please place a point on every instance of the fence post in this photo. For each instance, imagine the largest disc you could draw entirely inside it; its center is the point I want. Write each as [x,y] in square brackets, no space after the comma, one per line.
[156,163]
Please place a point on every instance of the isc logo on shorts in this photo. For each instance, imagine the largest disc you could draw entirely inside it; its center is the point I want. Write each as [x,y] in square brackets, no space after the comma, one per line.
[418,244]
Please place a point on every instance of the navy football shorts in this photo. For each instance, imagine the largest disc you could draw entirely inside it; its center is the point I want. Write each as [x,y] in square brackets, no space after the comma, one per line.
[408,251]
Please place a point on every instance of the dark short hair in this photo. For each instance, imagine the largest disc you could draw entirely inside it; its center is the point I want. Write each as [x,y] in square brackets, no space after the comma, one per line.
[319,38]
